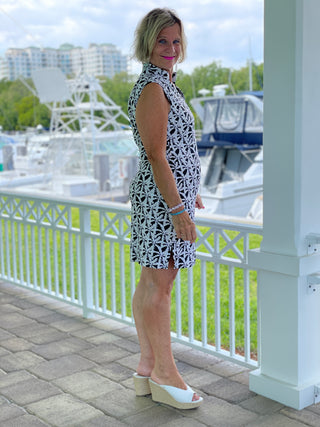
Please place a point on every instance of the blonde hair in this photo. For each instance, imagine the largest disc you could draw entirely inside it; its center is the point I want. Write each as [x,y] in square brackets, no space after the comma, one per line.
[148,30]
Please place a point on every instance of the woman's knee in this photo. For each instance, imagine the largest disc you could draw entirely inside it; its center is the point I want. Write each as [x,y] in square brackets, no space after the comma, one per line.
[158,280]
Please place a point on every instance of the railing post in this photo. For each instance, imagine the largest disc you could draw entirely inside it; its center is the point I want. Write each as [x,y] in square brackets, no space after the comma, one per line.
[86,262]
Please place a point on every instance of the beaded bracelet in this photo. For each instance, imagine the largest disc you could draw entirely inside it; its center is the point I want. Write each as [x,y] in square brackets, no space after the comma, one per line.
[175,207]
[177,213]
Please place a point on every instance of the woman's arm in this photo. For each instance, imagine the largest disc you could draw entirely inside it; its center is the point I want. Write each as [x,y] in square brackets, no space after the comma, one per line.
[152,121]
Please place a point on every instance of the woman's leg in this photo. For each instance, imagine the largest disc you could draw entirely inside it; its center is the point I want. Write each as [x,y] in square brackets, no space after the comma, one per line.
[151,307]
[141,300]
[146,362]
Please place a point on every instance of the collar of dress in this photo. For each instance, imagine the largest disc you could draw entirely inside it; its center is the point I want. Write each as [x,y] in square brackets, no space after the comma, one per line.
[161,71]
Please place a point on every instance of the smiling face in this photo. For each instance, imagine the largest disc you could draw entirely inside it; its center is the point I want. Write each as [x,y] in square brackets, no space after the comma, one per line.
[167,48]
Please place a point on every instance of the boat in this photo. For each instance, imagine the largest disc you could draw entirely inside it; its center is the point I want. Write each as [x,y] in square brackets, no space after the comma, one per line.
[231,153]
[88,150]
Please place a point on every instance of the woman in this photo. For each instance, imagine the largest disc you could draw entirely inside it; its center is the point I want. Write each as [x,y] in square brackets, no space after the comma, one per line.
[163,196]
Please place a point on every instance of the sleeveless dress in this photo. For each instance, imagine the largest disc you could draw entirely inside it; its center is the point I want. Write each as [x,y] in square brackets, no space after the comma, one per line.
[153,239]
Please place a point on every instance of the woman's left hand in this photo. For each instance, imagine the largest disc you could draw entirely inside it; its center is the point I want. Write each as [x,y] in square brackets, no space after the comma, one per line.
[199,204]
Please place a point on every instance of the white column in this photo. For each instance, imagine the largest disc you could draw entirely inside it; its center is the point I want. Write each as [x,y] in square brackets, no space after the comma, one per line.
[289,313]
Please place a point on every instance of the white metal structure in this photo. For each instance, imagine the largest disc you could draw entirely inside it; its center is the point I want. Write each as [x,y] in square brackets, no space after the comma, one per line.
[84,125]
[79,252]
[75,103]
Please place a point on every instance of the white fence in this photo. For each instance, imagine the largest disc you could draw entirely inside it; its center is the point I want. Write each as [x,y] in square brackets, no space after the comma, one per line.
[78,252]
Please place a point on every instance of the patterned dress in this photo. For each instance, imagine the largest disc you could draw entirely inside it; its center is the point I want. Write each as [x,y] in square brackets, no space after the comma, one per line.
[153,239]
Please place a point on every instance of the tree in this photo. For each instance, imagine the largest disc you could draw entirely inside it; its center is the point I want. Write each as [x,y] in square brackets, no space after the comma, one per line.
[240,78]
[20,109]
[118,89]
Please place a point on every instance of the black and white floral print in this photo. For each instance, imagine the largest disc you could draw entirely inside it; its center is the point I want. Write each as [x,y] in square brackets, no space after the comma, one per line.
[153,239]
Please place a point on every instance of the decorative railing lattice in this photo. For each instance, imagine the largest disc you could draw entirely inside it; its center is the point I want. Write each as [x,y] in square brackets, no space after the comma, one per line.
[78,252]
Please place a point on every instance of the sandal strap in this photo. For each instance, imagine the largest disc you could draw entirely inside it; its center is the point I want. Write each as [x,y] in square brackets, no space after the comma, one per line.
[178,394]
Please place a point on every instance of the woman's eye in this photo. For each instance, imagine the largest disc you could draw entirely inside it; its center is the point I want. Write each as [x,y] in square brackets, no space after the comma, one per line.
[162,41]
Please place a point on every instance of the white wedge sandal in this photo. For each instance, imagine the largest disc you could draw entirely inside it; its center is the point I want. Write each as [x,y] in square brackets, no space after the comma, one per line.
[173,396]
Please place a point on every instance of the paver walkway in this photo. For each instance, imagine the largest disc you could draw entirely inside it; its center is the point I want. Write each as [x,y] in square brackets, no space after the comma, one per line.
[58,369]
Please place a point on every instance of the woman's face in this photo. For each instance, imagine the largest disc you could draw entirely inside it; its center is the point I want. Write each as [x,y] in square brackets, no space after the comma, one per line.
[166,51]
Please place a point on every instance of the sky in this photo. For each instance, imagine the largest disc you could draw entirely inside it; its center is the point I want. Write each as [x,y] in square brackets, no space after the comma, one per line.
[229,32]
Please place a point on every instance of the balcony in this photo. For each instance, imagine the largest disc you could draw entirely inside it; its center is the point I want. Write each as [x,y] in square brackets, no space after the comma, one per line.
[66,328]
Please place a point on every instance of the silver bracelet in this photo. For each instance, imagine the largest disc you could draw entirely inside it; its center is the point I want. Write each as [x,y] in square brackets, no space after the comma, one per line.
[175,207]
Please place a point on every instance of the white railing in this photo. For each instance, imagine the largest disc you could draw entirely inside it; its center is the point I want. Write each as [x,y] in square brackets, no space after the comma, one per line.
[78,252]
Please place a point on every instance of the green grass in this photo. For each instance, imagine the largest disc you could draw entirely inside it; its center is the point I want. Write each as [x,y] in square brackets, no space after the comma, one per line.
[224,303]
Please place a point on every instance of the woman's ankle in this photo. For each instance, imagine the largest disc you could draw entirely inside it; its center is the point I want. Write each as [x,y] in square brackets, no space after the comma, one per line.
[145,367]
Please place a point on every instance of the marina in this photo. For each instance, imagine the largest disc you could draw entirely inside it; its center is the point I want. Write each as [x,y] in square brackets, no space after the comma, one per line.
[89,149]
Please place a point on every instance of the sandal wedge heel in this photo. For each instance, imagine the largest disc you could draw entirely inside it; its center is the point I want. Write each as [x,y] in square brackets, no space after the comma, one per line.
[141,385]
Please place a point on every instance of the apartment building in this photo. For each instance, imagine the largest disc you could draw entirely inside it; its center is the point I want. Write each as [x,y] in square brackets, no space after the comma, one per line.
[97,60]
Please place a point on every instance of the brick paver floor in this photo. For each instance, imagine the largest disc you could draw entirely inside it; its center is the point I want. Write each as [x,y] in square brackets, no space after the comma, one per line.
[59,369]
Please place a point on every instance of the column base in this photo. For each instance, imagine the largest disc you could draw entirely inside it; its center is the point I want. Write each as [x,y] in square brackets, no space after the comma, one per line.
[294,397]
